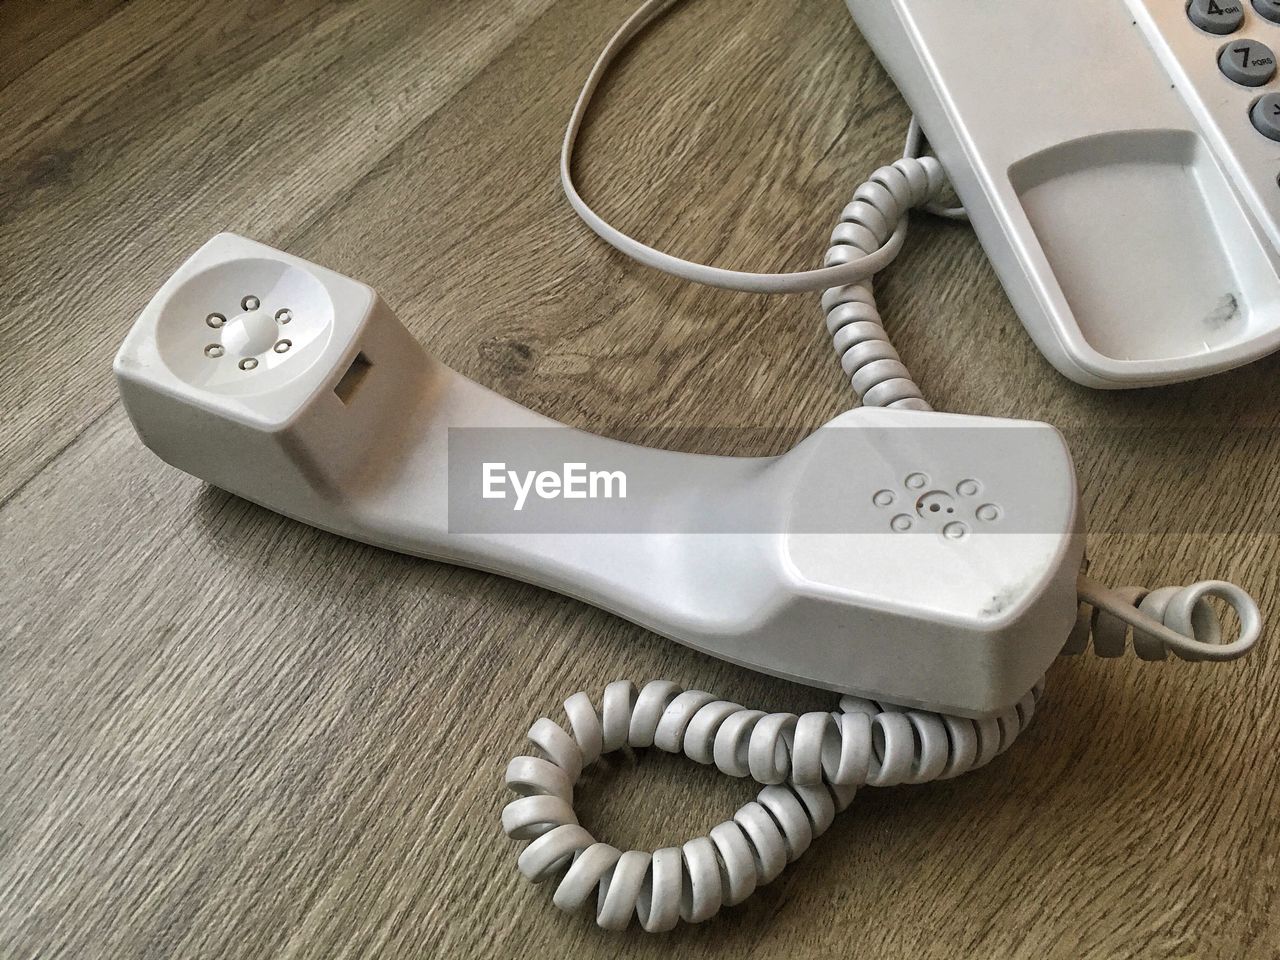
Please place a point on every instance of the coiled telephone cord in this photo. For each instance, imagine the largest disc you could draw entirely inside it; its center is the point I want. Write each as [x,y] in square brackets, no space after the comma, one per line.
[809,766]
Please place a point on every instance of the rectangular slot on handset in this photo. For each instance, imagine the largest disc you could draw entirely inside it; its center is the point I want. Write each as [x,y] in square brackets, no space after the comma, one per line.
[346,387]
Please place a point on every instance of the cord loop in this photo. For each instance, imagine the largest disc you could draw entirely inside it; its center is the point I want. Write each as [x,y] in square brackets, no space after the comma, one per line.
[1167,620]
[809,766]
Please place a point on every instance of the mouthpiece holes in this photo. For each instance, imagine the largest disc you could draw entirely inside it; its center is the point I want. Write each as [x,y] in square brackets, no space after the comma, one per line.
[248,363]
[282,346]
[215,320]
[284,316]
[250,303]
[213,350]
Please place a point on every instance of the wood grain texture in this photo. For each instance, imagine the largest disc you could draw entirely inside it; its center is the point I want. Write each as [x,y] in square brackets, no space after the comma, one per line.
[223,734]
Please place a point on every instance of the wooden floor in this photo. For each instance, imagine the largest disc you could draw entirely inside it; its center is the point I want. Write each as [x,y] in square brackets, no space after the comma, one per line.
[223,734]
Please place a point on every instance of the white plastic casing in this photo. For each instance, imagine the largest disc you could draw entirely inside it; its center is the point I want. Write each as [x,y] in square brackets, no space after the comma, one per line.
[1110,170]
[801,565]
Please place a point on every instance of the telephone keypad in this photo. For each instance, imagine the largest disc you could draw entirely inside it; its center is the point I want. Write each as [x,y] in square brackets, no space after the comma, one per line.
[1245,61]
[1230,82]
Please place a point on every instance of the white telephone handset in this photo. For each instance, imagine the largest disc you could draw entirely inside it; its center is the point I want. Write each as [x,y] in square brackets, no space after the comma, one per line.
[806,566]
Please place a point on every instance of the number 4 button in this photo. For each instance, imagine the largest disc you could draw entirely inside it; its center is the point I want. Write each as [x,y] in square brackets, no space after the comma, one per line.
[1217,16]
